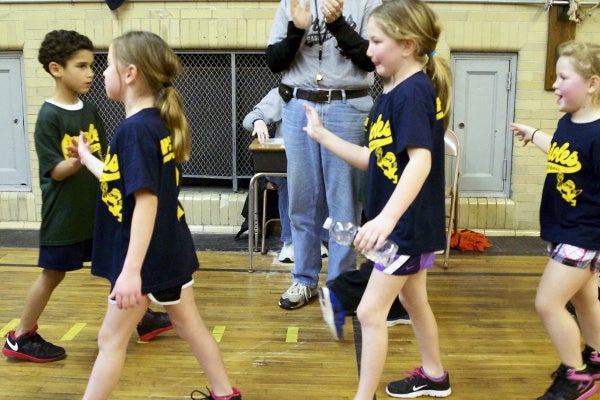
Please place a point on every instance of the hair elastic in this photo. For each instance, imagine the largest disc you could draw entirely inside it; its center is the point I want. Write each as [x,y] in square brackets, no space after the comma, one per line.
[166,84]
[533,135]
[432,53]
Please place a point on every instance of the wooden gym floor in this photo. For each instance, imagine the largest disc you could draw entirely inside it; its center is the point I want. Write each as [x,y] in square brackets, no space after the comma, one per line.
[493,343]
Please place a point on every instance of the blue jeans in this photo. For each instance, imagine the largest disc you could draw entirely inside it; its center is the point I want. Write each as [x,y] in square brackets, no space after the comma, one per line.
[284,208]
[320,185]
[283,205]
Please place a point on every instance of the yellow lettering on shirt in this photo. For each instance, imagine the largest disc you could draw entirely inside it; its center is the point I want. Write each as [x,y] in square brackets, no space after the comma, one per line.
[110,171]
[91,135]
[380,135]
[563,161]
[93,139]
[112,197]
[166,149]
[439,112]
[113,200]
[66,141]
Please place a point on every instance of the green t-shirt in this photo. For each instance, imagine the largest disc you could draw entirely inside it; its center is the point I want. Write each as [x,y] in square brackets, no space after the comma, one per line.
[67,205]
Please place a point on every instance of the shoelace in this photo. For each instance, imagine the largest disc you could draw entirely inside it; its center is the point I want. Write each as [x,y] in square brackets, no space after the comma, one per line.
[208,396]
[198,392]
[300,289]
[578,376]
[416,373]
[567,379]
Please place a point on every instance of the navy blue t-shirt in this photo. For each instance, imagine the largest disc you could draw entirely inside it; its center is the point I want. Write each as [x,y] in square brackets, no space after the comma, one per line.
[410,115]
[570,207]
[140,156]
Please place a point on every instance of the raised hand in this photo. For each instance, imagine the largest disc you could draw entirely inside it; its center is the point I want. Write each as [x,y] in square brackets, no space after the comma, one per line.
[314,125]
[301,16]
[331,9]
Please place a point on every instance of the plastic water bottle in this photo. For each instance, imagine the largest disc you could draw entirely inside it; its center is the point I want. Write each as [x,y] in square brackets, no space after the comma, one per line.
[344,232]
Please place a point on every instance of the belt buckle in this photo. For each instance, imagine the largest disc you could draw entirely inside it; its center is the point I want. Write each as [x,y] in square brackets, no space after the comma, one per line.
[329,95]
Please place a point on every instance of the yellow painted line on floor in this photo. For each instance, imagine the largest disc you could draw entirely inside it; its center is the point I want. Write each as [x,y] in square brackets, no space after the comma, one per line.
[9,327]
[218,332]
[71,333]
[292,334]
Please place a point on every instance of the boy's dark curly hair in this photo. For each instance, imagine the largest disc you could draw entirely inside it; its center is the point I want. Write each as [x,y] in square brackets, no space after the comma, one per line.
[60,45]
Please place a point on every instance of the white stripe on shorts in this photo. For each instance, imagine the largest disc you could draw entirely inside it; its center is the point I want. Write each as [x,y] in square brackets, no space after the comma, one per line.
[397,263]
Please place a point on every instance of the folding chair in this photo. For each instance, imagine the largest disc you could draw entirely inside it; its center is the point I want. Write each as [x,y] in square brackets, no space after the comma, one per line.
[452,152]
[266,220]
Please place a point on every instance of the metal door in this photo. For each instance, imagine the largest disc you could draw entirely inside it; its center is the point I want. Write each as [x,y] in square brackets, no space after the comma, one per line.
[14,157]
[483,105]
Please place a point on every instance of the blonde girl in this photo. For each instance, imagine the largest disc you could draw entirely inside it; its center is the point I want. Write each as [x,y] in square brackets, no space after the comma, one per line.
[142,243]
[570,221]
[405,164]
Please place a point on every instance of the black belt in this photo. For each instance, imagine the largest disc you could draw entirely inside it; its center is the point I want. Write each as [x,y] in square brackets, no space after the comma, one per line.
[323,96]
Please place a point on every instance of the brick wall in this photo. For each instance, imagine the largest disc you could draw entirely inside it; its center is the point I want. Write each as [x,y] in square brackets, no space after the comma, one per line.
[245,25]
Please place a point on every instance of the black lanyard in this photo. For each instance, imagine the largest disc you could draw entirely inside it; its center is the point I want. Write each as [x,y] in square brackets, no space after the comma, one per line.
[319,77]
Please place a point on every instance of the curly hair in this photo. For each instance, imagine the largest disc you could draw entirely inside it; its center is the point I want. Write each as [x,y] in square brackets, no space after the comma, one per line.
[60,45]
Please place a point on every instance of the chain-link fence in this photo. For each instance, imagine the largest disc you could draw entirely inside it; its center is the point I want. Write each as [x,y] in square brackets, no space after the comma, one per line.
[218,90]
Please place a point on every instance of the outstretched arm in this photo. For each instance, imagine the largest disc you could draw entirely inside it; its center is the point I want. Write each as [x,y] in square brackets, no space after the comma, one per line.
[526,134]
[353,154]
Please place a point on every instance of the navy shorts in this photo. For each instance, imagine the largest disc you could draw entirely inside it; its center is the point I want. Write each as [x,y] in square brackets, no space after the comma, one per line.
[170,296]
[166,297]
[65,258]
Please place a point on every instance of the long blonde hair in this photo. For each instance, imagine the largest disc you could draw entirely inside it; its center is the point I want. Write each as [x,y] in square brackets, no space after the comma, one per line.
[159,65]
[414,20]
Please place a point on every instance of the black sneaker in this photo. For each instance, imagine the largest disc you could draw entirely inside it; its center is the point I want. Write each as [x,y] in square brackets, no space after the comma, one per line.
[236,395]
[31,347]
[570,385]
[153,324]
[419,384]
[591,358]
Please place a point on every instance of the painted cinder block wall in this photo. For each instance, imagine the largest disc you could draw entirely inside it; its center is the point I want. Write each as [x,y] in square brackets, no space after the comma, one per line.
[214,25]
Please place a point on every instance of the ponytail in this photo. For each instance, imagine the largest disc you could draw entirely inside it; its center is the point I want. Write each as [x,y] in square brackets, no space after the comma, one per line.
[439,72]
[171,111]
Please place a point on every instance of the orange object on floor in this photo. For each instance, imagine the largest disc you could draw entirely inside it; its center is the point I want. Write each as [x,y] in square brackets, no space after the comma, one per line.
[468,240]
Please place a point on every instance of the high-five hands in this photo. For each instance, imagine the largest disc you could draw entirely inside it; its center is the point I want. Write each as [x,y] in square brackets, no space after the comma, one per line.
[302,17]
